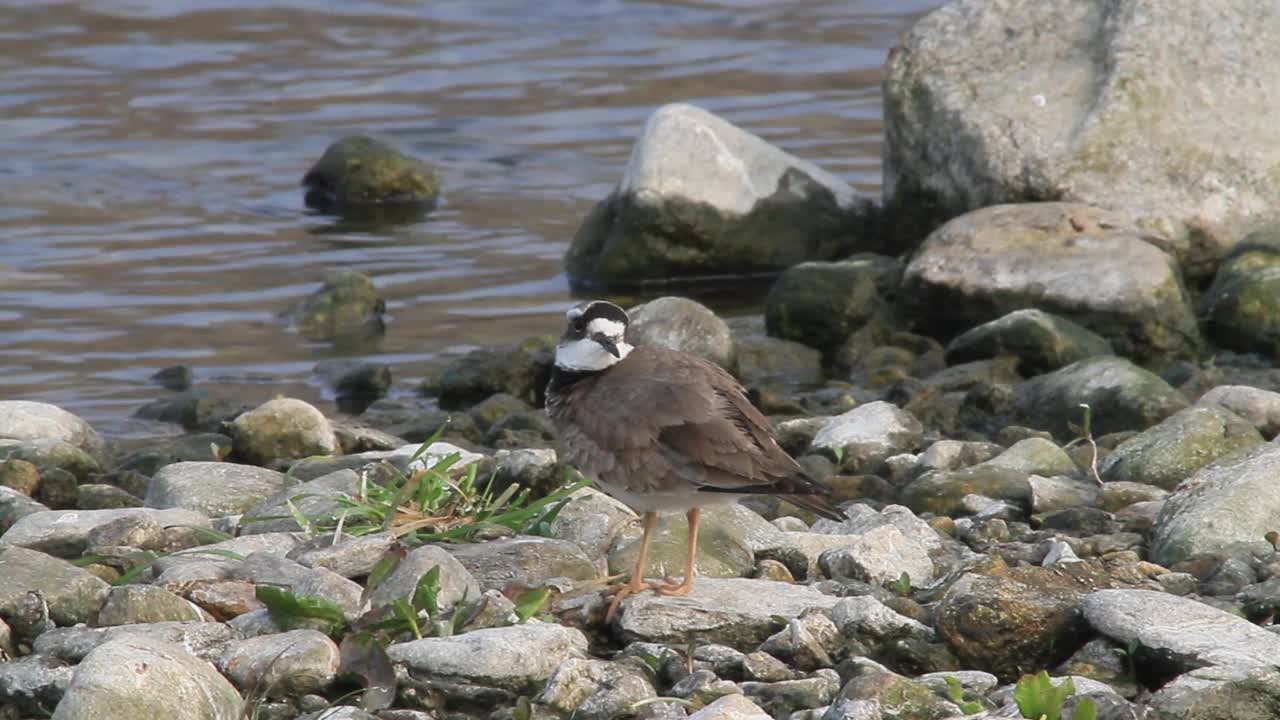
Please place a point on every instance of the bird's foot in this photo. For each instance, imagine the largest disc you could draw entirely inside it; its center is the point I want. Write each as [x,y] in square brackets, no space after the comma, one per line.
[620,593]
[671,587]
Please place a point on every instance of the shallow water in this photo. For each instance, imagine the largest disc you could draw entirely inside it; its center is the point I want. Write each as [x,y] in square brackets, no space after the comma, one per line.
[150,213]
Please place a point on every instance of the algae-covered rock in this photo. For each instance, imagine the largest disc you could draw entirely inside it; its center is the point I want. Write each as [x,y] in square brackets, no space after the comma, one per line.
[702,197]
[1242,307]
[358,172]
[1168,453]
[1085,264]
[347,307]
[1041,341]
[821,303]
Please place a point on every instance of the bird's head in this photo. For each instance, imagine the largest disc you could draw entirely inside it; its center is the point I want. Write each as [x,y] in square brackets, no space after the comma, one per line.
[595,338]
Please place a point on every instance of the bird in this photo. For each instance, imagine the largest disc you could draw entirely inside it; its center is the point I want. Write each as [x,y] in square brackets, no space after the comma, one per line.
[662,430]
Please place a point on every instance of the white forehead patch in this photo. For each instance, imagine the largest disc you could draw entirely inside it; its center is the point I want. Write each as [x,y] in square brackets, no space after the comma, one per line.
[575,312]
[606,327]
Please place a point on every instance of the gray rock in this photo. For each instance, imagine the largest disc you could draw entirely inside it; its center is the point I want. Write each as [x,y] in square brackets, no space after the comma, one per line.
[595,689]
[1122,397]
[64,533]
[1168,453]
[865,616]
[1041,341]
[1240,307]
[591,520]
[682,324]
[821,303]
[880,555]
[725,544]
[14,506]
[730,611]
[269,569]
[205,640]
[33,685]
[867,435]
[765,361]
[456,582]
[703,197]
[291,663]
[1089,118]
[71,595]
[282,429]
[1220,692]
[312,498]
[217,560]
[522,560]
[1184,632]
[1258,406]
[1035,456]
[135,676]
[518,658]
[807,643]
[983,265]
[731,707]
[1051,494]
[352,378]
[944,493]
[350,557]
[358,172]
[875,693]
[37,422]
[1227,506]
[147,604]
[789,696]
[521,370]
[213,488]
[100,496]
[346,712]
[536,468]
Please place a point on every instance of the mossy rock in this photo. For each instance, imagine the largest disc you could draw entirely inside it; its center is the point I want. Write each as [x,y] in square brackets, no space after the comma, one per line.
[1041,341]
[1242,307]
[1170,452]
[347,306]
[358,172]
[521,370]
[820,304]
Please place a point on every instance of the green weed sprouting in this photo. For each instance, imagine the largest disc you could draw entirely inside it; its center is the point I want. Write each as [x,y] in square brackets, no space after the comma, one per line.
[1039,699]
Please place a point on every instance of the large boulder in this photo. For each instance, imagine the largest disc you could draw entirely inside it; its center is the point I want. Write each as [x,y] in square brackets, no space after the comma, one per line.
[1083,263]
[1228,506]
[982,106]
[1242,306]
[702,197]
[1122,396]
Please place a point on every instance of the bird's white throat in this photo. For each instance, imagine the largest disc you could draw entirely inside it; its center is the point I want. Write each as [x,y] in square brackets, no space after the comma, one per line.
[587,355]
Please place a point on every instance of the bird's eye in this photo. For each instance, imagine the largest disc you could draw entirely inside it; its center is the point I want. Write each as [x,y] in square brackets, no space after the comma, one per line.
[579,324]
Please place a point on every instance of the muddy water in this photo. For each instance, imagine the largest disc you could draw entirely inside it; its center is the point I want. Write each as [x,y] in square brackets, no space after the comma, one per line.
[150,213]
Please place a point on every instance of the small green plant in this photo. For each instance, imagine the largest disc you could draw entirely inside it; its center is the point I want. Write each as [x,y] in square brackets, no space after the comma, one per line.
[531,602]
[902,586]
[955,693]
[1039,699]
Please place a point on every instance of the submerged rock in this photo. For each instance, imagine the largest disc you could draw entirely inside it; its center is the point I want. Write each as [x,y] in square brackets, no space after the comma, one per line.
[346,308]
[357,172]
[701,197]
[1085,114]
[1083,263]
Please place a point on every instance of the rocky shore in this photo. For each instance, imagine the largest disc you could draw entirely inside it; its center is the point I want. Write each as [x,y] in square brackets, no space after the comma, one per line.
[1039,373]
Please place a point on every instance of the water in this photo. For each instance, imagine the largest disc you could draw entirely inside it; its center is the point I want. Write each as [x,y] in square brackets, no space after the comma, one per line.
[150,213]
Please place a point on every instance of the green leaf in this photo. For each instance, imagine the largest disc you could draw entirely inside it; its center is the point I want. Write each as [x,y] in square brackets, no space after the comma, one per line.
[531,602]
[1038,697]
[426,594]
[955,691]
[290,611]
[406,613]
[1085,709]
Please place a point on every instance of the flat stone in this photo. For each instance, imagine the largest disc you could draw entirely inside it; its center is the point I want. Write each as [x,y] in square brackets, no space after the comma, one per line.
[1258,406]
[865,616]
[867,435]
[736,612]
[72,595]
[1184,632]
[519,658]
[136,676]
[213,488]
[591,520]
[1041,341]
[205,640]
[147,604]
[352,556]
[1168,453]
[521,561]
[878,556]
[64,533]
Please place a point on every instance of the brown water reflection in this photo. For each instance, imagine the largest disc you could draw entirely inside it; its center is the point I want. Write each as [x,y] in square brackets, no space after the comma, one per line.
[149,207]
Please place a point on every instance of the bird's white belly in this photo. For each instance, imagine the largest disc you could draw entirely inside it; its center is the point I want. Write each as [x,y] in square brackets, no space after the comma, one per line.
[666,501]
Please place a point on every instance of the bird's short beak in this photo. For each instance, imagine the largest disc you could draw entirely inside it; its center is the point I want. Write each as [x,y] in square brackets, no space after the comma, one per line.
[607,344]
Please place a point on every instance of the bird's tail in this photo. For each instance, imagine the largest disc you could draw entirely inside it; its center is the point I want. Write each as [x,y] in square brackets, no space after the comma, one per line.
[818,505]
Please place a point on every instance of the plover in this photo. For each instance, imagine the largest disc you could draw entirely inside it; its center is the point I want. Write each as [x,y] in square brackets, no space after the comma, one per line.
[662,431]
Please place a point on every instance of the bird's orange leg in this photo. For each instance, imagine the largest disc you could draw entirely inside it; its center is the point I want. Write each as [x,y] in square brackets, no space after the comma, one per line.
[636,582]
[689,571]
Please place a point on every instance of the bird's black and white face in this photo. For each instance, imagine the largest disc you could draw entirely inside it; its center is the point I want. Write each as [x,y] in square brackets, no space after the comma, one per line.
[595,339]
